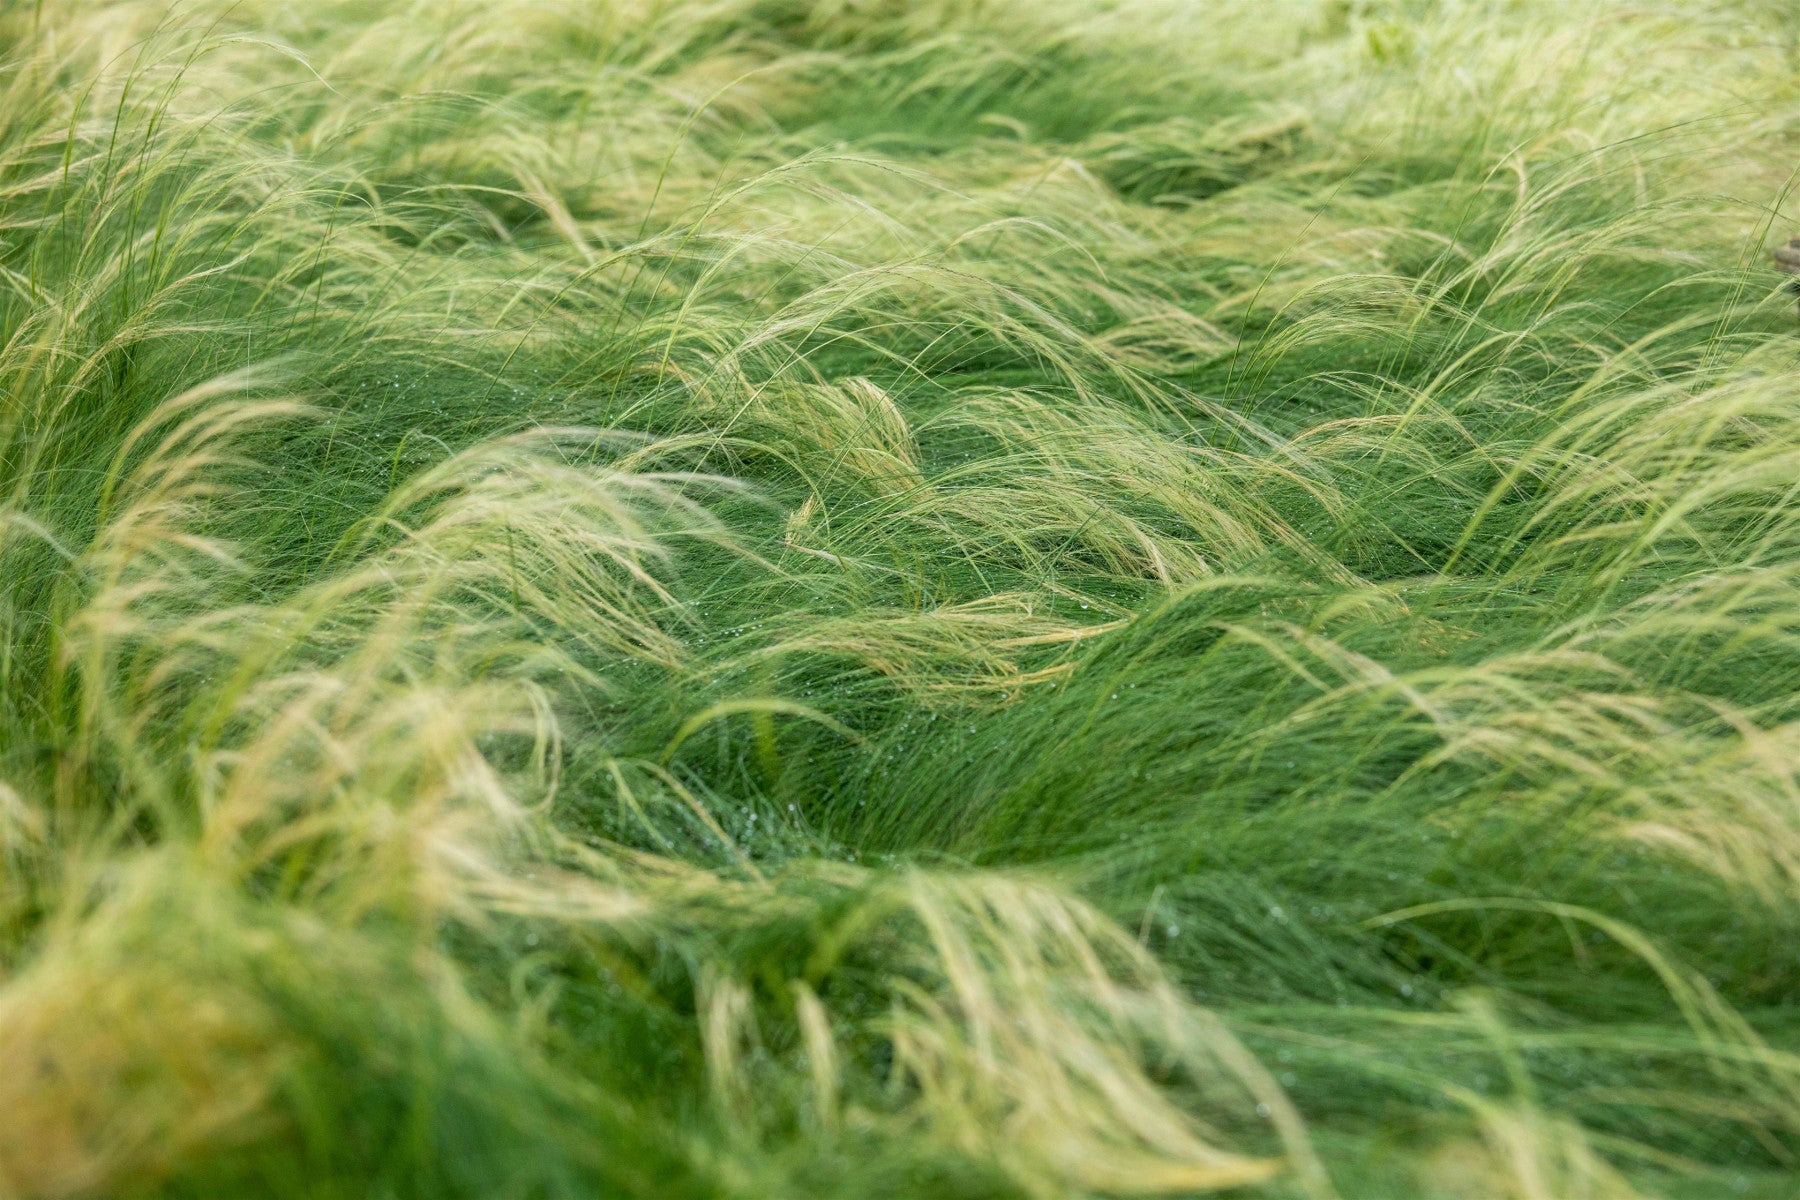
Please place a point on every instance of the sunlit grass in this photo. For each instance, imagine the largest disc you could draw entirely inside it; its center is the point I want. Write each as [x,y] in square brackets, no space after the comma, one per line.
[773,598]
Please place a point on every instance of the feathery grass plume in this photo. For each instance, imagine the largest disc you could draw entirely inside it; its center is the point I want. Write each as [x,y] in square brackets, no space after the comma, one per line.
[833,598]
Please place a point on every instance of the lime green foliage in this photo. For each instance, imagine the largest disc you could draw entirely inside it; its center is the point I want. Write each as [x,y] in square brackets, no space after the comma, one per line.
[784,598]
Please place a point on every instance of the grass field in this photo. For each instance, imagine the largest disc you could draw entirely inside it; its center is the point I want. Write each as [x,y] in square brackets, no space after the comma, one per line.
[873,598]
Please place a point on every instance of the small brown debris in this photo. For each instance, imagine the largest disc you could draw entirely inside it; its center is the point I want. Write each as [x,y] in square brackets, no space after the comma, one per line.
[1787,258]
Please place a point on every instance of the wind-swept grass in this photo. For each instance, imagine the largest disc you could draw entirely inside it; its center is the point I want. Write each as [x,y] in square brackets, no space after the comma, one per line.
[763,598]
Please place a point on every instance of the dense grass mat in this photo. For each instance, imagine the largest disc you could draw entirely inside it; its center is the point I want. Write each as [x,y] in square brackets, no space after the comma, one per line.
[854,598]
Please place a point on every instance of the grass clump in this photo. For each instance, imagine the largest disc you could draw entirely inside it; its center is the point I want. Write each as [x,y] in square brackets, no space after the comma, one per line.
[1054,599]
